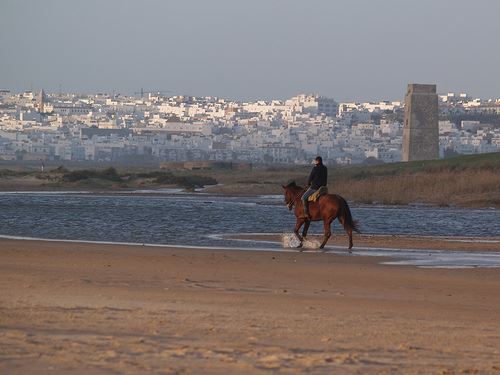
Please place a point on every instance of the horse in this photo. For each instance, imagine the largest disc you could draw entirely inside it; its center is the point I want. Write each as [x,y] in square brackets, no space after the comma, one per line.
[327,208]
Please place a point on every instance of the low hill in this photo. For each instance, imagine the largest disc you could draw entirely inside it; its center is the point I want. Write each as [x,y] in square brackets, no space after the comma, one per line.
[472,180]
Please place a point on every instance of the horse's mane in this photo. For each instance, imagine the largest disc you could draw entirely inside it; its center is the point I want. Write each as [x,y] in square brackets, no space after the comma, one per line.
[292,184]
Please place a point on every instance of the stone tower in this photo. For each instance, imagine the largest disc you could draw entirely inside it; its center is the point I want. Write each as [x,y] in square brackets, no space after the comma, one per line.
[40,101]
[421,129]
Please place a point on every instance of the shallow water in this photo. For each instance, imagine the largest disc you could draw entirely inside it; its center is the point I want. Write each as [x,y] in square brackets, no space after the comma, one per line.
[192,220]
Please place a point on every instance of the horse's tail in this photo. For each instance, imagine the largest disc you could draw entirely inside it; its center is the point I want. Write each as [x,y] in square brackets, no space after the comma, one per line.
[345,216]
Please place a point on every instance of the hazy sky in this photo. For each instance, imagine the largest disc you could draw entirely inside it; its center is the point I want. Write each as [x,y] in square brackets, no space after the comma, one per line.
[249,49]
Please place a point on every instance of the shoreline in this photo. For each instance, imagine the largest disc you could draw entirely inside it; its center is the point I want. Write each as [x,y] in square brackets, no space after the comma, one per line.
[363,241]
[415,251]
[93,308]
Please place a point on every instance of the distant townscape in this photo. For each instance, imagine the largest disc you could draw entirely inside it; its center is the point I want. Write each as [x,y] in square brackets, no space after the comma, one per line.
[153,127]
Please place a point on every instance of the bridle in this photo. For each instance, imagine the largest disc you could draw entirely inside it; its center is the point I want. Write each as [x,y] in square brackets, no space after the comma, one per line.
[290,203]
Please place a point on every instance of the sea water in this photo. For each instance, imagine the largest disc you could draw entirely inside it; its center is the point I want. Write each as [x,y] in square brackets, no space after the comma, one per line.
[203,220]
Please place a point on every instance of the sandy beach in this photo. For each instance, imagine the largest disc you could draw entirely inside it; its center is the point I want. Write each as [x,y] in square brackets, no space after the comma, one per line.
[84,308]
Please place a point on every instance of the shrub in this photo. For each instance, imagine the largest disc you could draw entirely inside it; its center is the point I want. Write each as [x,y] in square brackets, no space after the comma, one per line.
[61,169]
[109,174]
[194,181]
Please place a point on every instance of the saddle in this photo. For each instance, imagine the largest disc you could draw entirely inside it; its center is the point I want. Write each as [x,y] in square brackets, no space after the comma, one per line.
[318,193]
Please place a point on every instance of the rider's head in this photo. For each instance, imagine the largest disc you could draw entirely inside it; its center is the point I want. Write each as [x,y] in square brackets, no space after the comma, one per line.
[318,160]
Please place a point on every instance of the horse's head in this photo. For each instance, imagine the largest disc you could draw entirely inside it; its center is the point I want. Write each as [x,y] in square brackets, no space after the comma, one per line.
[292,193]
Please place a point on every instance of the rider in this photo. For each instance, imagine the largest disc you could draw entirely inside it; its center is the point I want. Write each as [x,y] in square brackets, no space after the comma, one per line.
[317,178]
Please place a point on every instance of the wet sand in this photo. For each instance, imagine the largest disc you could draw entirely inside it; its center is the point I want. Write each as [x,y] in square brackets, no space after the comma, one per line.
[391,241]
[104,309]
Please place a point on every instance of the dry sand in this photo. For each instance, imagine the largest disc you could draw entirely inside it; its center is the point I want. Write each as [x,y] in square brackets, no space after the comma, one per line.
[106,309]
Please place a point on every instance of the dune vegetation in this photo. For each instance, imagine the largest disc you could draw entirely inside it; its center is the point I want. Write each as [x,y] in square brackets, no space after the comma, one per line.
[472,180]
[463,181]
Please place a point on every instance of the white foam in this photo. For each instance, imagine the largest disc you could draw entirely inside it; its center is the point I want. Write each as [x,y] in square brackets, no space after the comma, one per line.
[290,240]
[311,244]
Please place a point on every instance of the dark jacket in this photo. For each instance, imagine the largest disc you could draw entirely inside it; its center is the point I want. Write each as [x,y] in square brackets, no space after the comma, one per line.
[318,176]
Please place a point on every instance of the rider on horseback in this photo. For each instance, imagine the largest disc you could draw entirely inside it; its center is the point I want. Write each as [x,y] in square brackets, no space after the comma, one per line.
[317,178]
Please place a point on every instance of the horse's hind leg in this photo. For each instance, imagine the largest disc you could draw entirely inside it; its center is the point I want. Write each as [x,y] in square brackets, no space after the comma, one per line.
[327,232]
[349,233]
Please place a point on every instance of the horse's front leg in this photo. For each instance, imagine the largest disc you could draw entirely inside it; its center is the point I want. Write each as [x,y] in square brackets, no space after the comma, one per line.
[298,224]
[327,232]
[306,228]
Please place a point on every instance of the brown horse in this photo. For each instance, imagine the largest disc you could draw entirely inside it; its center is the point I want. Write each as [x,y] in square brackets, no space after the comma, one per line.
[327,208]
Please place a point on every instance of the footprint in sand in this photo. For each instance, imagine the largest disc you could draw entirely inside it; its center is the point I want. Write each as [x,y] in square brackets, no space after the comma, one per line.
[269,362]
